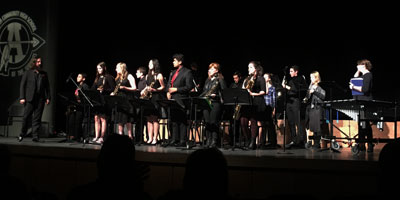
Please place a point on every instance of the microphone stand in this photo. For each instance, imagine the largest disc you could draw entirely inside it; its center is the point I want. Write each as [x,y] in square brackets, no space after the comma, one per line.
[284,118]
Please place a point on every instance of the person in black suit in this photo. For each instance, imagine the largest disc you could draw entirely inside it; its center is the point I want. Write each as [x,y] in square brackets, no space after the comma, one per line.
[180,83]
[34,94]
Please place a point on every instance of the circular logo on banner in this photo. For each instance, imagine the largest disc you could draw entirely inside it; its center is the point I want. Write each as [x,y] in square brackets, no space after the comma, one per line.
[18,43]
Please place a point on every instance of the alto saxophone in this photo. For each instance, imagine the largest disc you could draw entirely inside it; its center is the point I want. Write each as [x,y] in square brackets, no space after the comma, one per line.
[211,91]
[147,93]
[116,89]
[249,85]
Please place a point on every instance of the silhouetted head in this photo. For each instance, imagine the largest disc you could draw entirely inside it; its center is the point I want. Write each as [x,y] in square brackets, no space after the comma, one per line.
[206,169]
[117,158]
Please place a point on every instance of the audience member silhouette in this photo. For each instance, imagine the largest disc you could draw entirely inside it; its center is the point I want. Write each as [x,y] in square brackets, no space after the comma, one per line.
[388,170]
[117,177]
[10,187]
[206,176]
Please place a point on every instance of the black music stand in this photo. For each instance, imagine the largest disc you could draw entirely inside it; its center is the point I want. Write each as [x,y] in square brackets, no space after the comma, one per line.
[142,104]
[116,103]
[235,97]
[65,100]
[86,102]
[169,104]
[198,103]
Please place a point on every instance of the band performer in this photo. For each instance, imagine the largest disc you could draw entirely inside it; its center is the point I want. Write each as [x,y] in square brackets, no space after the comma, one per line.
[364,127]
[180,83]
[255,85]
[294,89]
[34,94]
[125,85]
[213,86]
[314,111]
[270,102]
[104,83]
[153,91]
[75,113]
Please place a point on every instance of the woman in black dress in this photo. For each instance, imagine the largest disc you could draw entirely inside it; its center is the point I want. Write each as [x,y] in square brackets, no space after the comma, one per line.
[104,84]
[314,111]
[153,91]
[255,85]
[125,86]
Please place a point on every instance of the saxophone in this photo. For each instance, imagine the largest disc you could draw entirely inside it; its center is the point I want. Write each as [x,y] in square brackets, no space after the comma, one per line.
[116,89]
[147,93]
[211,91]
[249,85]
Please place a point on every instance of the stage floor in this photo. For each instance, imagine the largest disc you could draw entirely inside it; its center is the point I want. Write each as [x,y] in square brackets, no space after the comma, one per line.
[344,153]
[62,166]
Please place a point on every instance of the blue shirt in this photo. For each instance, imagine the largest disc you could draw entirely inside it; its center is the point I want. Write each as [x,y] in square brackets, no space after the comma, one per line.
[270,97]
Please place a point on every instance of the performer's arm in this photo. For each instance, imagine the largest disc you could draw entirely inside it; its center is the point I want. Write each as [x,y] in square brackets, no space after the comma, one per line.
[160,79]
[132,82]
[22,88]
[47,90]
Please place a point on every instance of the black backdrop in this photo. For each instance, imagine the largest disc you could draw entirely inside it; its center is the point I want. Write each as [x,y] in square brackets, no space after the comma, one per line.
[327,38]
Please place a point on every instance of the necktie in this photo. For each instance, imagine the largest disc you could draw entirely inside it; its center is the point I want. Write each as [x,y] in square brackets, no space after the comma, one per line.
[174,77]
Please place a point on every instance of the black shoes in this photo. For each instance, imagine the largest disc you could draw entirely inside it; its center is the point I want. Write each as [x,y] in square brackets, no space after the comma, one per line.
[20,138]
[37,140]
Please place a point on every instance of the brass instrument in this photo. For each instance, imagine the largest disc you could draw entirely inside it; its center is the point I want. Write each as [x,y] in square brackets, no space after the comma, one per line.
[249,85]
[211,91]
[101,87]
[146,92]
[116,89]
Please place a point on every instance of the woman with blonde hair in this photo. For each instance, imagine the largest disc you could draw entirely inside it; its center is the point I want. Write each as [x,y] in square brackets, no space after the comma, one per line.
[314,111]
[125,85]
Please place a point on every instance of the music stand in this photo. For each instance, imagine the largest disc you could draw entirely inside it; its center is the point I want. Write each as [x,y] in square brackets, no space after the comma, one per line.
[116,103]
[85,101]
[169,104]
[67,102]
[198,103]
[142,104]
[235,97]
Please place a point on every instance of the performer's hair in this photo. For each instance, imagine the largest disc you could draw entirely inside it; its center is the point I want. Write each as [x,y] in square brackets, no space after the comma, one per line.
[84,75]
[142,70]
[156,67]
[295,67]
[258,67]
[237,73]
[34,61]
[316,75]
[216,66]
[178,57]
[365,62]
[124,71]
[104,67]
